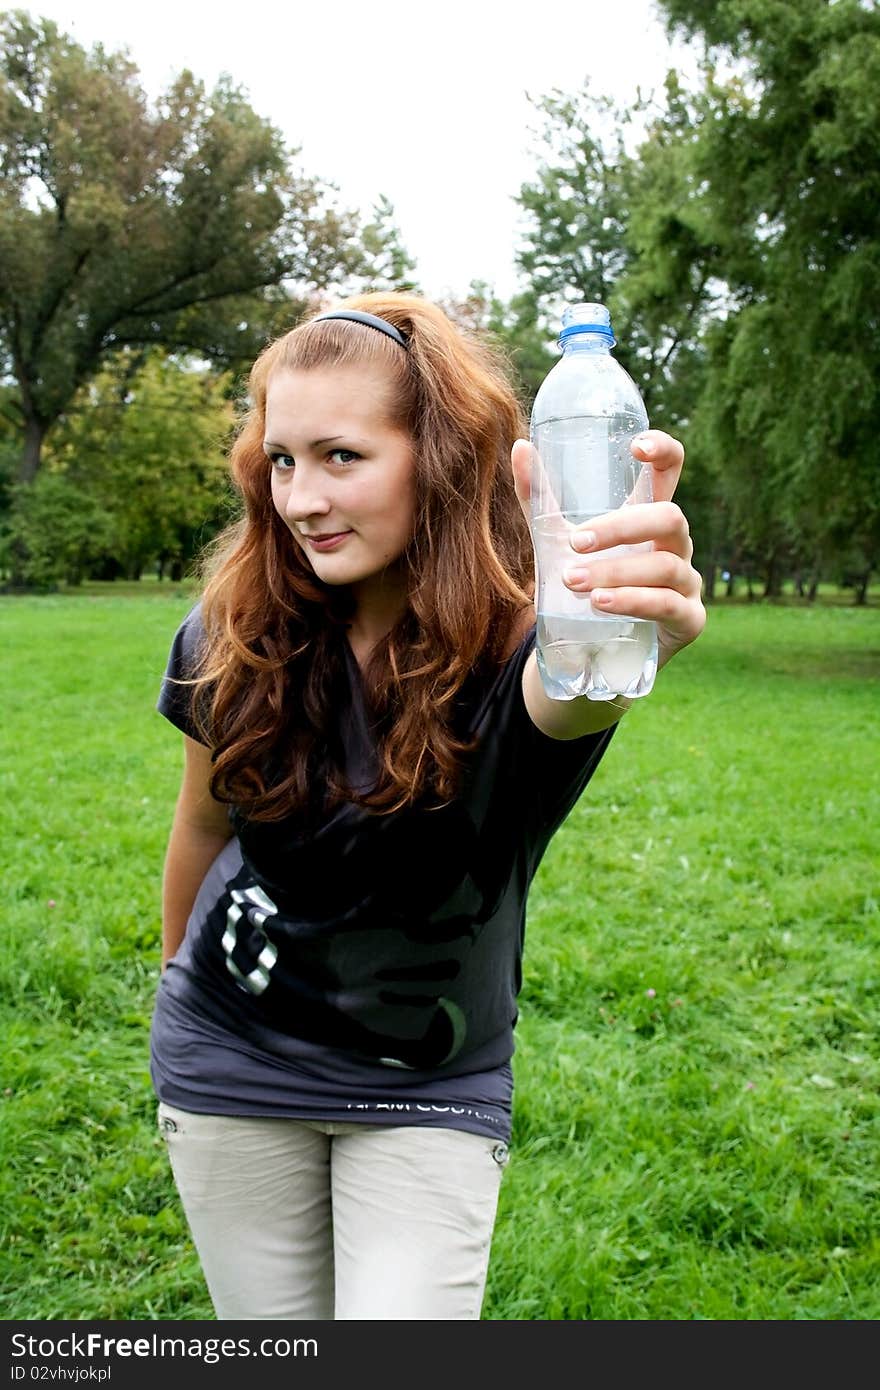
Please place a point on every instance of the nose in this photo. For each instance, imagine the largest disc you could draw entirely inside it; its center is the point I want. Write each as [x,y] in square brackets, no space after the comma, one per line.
[305,494]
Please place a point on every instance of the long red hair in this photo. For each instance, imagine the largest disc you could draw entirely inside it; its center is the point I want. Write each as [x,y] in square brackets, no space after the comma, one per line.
[264,691]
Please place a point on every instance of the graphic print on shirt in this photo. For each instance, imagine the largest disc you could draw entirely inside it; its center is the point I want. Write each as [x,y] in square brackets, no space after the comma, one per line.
[250,956]
[368,950]
[324,982]
[380,980]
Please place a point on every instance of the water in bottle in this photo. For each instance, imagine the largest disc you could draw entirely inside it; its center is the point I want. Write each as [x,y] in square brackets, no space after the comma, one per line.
[585,416]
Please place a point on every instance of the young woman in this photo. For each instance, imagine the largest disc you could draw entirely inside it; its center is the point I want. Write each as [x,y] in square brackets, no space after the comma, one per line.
[372,774]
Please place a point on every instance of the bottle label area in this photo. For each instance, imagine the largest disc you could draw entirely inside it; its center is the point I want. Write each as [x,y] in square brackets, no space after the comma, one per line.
[584,464]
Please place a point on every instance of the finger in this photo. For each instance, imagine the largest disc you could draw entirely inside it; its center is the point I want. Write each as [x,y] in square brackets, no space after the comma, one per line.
[666,457]
[674,612]
[662,523]
[658,569]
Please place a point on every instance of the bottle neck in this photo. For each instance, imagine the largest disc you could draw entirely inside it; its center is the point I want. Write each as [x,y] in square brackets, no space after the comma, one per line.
[585,342]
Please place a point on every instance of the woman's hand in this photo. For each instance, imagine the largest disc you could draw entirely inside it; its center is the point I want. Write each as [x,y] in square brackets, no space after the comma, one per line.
[659,583]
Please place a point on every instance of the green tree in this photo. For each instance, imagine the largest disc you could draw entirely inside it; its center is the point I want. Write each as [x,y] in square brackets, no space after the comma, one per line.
[184,226]
[628,229]
[387,265]
[134,473]
[788,163]
[618,227]
[574,243]
[738,251]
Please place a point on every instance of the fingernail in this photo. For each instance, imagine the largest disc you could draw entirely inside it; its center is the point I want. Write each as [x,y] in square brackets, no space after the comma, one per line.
[601,597]
[575,576]
[583,540]
[645,444]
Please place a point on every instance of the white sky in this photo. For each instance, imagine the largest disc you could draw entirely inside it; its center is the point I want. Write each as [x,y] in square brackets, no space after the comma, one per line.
[426,103]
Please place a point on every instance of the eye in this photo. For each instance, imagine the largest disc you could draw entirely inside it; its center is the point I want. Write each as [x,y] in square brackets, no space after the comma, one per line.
[281,461]
[343,456]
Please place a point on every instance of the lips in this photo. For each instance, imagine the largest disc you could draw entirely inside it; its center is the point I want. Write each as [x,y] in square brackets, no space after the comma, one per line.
[327,541]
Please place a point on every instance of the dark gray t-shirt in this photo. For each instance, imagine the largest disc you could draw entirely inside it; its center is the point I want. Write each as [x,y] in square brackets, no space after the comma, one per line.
[368,968]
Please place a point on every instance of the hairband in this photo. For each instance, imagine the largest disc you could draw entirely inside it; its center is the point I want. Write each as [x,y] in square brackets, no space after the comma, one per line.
[371,321]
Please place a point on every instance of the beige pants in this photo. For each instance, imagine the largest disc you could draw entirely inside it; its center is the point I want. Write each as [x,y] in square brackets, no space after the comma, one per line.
[299,1220]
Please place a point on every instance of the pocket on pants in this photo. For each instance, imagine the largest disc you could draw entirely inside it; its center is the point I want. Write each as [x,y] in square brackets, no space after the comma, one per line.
[195,1147]
[166,1120]
[173,1122]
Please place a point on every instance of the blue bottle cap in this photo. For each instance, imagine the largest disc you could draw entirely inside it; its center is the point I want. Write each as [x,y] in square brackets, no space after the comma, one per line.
[587,318]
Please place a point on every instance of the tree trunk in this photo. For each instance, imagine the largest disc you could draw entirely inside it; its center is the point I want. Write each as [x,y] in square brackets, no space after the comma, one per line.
[813,586]
[861,597]
[773,582]
[34,434]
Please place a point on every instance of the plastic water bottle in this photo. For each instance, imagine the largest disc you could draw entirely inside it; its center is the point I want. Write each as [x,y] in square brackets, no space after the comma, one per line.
[585,416]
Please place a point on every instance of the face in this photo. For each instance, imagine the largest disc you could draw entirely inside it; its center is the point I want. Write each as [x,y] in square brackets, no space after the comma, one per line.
[342,475]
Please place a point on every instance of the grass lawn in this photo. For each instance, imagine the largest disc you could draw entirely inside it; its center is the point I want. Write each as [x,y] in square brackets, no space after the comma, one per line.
[697,1103]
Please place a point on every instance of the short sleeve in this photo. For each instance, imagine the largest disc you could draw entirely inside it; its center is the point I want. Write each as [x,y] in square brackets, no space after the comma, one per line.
[175,700]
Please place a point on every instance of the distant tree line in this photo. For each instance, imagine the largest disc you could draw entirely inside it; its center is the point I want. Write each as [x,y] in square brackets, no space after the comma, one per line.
[733,229]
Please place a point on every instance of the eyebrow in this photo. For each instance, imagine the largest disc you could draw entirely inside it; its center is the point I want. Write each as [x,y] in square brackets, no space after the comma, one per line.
[315,444]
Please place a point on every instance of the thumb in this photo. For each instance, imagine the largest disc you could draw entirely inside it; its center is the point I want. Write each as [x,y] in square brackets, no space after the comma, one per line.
[521,462]
[665,456]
